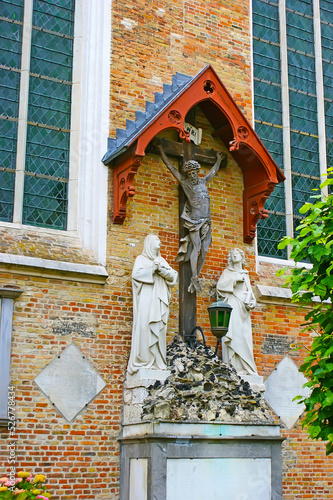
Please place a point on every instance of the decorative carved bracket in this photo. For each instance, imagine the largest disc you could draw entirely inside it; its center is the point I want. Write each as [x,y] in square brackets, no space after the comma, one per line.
[260,172]
[123,176]
[253,208]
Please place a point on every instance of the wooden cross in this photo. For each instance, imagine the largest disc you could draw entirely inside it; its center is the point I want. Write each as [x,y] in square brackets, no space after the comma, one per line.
[185,151]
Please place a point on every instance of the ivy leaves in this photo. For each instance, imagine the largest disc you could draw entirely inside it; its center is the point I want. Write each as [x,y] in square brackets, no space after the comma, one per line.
[312,286]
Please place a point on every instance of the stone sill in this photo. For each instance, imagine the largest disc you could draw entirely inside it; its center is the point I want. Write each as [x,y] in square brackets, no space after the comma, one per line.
[277,295]
[45,268]
[206,430]
[273,295]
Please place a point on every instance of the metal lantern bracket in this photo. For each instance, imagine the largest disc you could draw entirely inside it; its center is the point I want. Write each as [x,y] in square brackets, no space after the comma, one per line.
[219,317]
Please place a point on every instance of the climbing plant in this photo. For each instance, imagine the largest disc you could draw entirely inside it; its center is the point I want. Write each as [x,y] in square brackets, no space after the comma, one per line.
[312,286]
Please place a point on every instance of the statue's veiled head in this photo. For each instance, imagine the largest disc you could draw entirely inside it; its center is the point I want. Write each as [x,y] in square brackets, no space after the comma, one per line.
[151,246]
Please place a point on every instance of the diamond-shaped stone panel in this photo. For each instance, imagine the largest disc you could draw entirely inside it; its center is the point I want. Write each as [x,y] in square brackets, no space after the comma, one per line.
[283,384]
[70,382]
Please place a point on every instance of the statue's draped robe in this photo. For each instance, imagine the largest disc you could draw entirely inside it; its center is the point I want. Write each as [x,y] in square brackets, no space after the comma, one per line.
[151,296]
[238,345]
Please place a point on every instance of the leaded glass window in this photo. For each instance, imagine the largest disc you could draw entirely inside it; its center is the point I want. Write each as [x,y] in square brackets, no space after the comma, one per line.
[297,130]
[35,112]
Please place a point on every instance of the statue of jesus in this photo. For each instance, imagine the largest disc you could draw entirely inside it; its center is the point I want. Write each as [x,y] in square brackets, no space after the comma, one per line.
[196,214]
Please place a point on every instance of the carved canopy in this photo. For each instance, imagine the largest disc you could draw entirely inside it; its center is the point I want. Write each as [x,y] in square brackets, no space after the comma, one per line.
[260,172]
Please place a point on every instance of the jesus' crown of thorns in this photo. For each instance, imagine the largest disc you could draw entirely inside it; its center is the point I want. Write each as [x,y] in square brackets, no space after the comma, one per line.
[191,165]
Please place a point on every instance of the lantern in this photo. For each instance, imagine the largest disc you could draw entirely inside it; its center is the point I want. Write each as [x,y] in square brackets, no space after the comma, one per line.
[219,316]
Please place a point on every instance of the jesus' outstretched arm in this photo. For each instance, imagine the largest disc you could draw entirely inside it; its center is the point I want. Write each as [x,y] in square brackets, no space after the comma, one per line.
[167,162]
[219,158]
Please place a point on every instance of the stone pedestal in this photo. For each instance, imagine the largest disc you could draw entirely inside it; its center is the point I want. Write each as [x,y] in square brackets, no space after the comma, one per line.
[192,461]
[198,432]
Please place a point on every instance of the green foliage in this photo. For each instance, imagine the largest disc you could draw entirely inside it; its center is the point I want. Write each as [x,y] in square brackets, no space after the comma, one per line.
[313,287]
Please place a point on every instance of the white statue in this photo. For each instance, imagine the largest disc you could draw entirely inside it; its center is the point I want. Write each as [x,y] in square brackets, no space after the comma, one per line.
[234,288]
[152,278]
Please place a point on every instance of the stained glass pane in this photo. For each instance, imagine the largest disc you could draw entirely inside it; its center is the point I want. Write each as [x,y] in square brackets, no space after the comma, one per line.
[328,79]
[302,6]
[329,119]
[301,72]
[267,102]
[303,189]
[303,112]
[54,15]
[266,21]
[9,93]
[51,55]
[326,40]
[45,202]
[330,153]
[266,61]
[300,32]
[12,9]
[305,154]
[8,132]
[10,42]
[326,15]
[302,81]
[326,11]
[10,57]
[49,103]
[47,152]
[272,139]
[268,109]
[7,180]
[270,232]
[276,201]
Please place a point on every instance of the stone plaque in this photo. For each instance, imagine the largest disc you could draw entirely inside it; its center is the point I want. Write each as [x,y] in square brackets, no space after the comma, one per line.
[217,478]
[70,382]
[138,488]
[283,384]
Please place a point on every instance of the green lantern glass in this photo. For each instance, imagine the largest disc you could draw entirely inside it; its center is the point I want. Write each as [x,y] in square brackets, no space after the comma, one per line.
[219,316]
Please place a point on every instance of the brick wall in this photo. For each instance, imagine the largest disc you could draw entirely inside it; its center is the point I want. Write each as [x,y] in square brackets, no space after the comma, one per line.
[150,42]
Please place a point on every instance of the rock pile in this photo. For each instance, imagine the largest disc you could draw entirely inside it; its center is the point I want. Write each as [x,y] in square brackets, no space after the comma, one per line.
[202,388]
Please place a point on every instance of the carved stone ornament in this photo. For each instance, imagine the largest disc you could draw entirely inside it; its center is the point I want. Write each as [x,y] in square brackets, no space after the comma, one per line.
[243,133]
[175,117]
[209,87]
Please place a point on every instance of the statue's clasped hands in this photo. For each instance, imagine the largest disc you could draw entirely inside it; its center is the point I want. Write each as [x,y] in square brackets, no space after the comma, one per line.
[156,265]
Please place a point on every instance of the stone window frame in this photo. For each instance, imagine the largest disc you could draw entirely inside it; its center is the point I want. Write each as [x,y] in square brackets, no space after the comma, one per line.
[87,197]
[7,297]
[322,150]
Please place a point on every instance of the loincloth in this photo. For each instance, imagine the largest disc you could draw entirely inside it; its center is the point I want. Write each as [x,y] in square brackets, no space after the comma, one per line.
[186,246]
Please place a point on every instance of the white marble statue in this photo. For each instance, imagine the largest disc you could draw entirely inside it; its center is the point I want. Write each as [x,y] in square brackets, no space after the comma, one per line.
[152,278]
[234,288]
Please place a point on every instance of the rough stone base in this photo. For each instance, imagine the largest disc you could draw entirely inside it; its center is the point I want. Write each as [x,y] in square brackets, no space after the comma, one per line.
[135,392]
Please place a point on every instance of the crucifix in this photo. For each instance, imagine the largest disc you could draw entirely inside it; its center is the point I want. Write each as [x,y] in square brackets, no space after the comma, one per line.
[194,220]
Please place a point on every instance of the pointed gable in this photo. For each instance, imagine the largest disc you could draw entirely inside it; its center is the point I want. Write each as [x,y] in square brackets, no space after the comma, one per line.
[125,153]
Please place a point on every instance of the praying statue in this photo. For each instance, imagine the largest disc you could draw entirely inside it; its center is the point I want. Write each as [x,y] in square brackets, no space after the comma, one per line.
[196,214]
[152,278]
[234,288]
